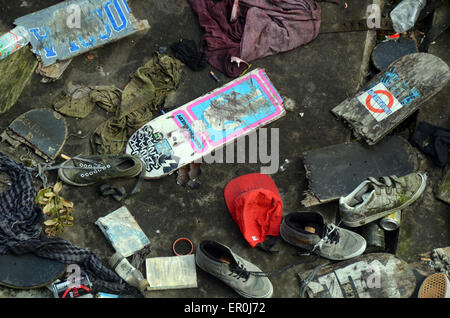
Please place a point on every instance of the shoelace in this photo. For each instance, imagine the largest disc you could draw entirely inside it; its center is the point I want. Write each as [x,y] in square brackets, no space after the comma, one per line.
[41,168]
[239,271]
[330,235]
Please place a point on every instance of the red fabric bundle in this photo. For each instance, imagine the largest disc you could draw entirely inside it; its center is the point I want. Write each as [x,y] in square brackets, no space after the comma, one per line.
[255,205]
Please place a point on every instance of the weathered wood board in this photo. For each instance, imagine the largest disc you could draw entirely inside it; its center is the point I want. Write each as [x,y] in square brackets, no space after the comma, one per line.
[393,95]
[43,130]
[337,170]
[16,71]
[377,275]
[196,129]
[177,272]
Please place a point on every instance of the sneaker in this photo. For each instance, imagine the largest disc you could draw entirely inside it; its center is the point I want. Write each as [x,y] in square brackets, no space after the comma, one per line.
[308,230]
[219,261]
[374,199]
[435,286]
[89,170]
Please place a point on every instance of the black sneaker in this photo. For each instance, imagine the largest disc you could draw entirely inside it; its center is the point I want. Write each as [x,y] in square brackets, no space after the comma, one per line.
[89,170]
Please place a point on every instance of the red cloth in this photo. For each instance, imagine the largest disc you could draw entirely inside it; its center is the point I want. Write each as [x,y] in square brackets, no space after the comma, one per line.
[263,28]
[256,206]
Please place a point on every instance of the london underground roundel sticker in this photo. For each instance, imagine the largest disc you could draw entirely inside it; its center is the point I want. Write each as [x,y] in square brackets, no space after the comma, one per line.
[379,102]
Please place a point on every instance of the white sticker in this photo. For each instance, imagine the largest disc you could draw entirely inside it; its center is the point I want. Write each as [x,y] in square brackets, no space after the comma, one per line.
[380,102]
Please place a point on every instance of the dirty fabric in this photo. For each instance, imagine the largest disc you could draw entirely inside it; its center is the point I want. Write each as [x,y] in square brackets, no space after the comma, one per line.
[254,29]
[21,228]
[433,141]
[132,108]
[188,53]
[145,93]
[79,101]
[76,102]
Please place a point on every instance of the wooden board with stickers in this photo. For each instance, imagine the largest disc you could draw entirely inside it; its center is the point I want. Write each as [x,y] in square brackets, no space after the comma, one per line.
[393,95]
[198,128]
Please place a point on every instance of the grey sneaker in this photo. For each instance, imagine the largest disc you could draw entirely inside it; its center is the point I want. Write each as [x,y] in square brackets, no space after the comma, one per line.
[219,261]
[374,199]
[89,170]
[308,230]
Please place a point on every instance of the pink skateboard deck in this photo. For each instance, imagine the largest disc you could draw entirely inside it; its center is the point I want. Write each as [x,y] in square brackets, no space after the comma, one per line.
[194,130]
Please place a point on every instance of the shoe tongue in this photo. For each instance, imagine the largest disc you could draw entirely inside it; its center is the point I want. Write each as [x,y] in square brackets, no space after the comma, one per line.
[310,229]
[225,260]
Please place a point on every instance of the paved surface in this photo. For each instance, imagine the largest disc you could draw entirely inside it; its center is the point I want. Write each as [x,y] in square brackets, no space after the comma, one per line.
[315,78]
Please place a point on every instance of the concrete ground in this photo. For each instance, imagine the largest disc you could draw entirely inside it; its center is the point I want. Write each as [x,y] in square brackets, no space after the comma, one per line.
[316,78]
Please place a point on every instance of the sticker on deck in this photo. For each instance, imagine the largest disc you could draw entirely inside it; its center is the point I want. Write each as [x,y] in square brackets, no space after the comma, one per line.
[380,102]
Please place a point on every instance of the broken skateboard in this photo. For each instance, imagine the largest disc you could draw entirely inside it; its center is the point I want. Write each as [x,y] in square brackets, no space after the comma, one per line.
[43,130]
[393,95]
[190,132]
[29,271]
[378,275]
[335,171]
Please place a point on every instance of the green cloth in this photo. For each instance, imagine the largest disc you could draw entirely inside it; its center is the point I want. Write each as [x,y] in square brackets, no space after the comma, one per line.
[145,93]
[132,108]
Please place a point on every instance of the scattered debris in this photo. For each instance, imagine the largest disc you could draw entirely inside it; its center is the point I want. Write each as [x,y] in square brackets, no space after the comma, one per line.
[443,192]
[43,130]
[123,232]
[56,208]
[375,275]
[128,272]
[337,170]
[53,41]
[175,272]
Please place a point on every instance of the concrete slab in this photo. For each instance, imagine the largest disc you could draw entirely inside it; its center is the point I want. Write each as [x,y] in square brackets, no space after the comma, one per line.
[315,78]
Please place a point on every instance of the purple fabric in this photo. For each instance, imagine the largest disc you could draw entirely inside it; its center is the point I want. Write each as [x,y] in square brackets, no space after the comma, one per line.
[262,28]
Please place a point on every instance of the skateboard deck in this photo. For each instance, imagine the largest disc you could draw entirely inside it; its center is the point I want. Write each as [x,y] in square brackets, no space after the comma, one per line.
[393,95]
[388,52]
[29,271]
[192,131]
[377,275]
[335,171]
[43,130]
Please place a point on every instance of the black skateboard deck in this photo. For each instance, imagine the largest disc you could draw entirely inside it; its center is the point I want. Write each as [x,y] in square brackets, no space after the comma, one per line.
[29,271]
[335,171]
[41,129]
[388,52]
[377,275]
[393,95]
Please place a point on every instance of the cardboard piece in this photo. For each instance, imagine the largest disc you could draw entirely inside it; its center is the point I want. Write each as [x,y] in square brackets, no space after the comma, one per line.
[177,272]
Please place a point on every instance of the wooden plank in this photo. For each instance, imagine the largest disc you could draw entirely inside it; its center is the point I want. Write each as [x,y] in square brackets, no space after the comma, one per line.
[377,275]
[16,71]
[393,95]
[177,272]
[337,170]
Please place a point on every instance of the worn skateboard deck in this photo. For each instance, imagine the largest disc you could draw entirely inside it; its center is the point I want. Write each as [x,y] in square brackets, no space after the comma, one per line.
[393,95]
[335,171]
[378,275]
[28,271]
[388,52]
[210,122]
[41,129]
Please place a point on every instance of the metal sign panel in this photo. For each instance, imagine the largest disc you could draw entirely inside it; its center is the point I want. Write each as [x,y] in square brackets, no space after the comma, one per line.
[74,27]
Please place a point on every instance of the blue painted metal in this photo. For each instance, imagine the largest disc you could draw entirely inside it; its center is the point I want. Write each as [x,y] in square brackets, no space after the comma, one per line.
[54,37]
